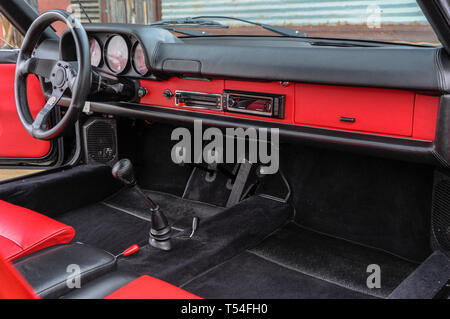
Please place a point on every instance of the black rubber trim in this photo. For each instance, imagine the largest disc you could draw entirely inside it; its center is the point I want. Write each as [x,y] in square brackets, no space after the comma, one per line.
[437,14]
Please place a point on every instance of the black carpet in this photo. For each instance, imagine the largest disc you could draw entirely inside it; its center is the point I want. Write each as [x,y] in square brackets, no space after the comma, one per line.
[53,194]
[178,211]
[298,263]
[373,201]
[123,220]
[334,260]
[429,280]
[249,276]
[379,202]
[217,239]
[151,157]
[106,228]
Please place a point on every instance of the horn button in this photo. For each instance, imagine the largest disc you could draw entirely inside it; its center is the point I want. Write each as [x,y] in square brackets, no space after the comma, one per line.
[60,77]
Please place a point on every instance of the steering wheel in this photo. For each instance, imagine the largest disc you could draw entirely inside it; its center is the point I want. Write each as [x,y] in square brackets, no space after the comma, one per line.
[62,75]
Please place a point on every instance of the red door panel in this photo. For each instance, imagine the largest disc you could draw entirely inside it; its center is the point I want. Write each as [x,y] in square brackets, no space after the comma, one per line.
[15,141]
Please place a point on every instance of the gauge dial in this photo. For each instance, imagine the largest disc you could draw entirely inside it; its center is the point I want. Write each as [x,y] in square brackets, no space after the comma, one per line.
[117,54]
[96,52]
[139,59]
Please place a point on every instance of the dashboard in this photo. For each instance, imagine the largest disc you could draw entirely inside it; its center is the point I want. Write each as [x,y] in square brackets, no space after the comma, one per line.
[380,99]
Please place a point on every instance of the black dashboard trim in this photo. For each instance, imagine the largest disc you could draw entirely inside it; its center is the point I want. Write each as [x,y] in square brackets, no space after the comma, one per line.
[376,145]
[411,68]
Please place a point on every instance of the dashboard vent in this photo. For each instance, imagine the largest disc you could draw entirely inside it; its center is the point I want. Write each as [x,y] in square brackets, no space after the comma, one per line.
[100,141]
[198,100]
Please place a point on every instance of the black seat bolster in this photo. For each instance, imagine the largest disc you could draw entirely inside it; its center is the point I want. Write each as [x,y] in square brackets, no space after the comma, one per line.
[51,271]
[102,287]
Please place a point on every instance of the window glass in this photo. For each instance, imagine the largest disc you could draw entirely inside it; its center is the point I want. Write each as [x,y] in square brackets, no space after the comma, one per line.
[380,20]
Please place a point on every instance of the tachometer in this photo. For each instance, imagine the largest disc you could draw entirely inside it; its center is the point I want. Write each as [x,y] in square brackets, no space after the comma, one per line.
[96,52]
[117,54]
[139,63]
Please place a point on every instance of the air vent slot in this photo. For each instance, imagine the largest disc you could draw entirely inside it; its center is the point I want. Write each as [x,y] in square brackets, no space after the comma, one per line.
[198,100]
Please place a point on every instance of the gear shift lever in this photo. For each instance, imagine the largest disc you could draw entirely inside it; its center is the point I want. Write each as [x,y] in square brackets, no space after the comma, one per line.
[160,230]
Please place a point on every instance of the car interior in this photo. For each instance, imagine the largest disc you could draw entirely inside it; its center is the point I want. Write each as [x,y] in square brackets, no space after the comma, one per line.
[363,180]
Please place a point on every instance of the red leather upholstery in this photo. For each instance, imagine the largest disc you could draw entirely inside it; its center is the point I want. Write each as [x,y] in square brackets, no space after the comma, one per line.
[13,285]
[23,231]
[147,287]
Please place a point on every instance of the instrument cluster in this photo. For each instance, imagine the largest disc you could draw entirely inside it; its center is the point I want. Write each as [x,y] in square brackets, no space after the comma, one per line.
[118,54]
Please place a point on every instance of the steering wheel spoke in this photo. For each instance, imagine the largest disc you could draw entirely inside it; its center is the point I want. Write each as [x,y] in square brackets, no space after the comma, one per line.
[44,114]
[40,67]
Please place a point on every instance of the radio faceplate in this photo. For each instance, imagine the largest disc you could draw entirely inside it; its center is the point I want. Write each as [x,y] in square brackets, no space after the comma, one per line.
[261,104]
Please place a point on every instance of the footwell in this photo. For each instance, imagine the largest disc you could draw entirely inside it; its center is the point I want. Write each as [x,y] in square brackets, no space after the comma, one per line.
[251,250]
[299,263]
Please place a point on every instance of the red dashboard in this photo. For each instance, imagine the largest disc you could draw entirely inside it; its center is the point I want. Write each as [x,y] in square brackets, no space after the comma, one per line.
[397,113]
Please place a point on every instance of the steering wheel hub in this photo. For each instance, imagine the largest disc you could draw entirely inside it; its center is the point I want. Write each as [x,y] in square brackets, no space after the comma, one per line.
[60,77]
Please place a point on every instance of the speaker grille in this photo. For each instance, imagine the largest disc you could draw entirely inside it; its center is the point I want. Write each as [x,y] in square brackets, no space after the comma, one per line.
[100,141]
[441,213]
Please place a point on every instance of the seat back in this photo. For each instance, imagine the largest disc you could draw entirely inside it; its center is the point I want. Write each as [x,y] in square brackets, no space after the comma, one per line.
[13,285]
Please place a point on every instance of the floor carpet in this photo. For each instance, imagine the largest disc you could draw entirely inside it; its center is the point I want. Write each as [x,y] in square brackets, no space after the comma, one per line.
[121,220]
[296,262]
[247,251]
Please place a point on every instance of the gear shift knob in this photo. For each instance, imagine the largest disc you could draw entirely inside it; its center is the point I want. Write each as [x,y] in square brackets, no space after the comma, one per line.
[123,171]
[160,229]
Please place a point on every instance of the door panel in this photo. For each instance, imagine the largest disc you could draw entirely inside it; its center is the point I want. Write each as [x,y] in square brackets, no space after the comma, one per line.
[15,141]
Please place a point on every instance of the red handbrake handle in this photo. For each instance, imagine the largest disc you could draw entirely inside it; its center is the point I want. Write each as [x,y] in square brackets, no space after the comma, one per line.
[129,251]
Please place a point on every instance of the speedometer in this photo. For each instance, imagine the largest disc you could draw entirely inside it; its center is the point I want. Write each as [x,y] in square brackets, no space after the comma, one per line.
[139,63]
[117,54]
[96,52]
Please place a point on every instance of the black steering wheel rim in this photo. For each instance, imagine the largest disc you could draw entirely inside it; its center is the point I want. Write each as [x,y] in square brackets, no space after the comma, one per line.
[62,75]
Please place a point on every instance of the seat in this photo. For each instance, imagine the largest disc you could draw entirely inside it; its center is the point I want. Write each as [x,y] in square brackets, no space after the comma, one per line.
[115,285]
[146,287]
[47,270]
[23,231]
[13,286]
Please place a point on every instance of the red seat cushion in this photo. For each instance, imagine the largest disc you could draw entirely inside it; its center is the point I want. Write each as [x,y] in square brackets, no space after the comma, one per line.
[147,287]
[23,231]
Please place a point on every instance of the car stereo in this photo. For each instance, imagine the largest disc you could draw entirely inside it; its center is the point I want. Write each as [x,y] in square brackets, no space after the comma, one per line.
[260,104]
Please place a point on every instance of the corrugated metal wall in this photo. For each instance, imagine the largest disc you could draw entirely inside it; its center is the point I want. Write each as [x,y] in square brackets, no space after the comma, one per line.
[121,11]
[92,7]
[299,12]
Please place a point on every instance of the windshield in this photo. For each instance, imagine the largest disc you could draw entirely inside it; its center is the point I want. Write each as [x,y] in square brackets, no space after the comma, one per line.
[379,20]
